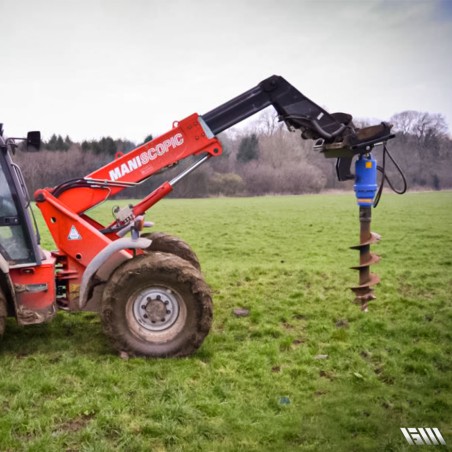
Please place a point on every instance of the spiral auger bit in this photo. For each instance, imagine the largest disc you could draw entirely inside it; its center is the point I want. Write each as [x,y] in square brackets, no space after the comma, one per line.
[365,190]
[345,145]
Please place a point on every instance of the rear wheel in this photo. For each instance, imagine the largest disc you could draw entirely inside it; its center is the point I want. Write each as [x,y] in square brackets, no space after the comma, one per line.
[156,305]
[166,243]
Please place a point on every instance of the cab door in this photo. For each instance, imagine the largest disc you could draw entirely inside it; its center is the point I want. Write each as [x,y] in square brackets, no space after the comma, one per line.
[31,273]
[18,243]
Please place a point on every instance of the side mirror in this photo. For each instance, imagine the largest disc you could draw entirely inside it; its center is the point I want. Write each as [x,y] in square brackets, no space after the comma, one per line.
[33,141]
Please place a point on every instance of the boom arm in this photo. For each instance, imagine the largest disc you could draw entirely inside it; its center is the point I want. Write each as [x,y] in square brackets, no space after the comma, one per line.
[293,107]
[196,135]
[336,133]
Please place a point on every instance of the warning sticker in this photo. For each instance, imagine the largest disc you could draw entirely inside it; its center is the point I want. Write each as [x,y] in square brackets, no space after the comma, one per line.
[74,234]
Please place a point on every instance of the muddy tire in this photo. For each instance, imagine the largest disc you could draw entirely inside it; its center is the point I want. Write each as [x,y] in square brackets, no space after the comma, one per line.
[3,314]
[166,243]
[156,305]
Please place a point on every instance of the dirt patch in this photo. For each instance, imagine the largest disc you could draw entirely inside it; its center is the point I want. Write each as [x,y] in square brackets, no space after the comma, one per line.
[342,323]
[326,374]
[76,424]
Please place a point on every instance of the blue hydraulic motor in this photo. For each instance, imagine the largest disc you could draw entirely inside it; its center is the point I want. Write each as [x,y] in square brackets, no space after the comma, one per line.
[365,190]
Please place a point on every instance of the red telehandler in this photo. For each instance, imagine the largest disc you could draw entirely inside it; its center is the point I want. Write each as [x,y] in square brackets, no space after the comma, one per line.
[148,288]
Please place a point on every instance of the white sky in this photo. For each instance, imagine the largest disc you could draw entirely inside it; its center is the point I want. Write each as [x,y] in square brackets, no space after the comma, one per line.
[127,68]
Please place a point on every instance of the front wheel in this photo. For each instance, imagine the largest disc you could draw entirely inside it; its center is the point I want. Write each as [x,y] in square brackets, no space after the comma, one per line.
[156,305]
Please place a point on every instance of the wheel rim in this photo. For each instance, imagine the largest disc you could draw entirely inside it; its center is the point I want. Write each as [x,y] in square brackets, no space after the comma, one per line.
[156,309]
[156,314]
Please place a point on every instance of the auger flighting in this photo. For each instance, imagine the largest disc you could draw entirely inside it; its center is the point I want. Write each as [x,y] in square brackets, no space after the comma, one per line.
[365,190]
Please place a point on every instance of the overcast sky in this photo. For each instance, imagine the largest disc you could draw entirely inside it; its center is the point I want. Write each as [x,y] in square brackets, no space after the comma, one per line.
[127,68]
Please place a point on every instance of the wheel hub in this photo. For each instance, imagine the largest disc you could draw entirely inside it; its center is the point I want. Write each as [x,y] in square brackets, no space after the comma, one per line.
[156,309]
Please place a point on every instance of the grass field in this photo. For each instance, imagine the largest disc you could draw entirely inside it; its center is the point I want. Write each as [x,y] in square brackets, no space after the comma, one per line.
[256,384]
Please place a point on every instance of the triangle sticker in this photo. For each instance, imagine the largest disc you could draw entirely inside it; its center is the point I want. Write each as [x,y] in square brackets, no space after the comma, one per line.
[74,234]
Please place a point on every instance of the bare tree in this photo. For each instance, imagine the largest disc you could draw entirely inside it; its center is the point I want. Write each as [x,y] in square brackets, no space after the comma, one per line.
[420,124]
[268,123]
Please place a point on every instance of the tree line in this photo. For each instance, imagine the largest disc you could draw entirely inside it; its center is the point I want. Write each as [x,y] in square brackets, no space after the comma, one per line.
[264,158]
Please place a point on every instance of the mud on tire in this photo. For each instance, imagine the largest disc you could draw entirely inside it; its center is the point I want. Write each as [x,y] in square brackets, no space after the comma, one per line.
[166,243]
[3,314]
[156,305]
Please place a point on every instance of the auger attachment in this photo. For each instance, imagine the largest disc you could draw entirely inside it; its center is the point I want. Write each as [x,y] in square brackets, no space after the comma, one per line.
[365,190]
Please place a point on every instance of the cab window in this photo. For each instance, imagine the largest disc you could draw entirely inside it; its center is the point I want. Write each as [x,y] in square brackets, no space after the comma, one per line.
[13,243]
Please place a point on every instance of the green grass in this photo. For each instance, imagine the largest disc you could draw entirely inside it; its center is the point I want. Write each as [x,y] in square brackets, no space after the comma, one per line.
[255,384]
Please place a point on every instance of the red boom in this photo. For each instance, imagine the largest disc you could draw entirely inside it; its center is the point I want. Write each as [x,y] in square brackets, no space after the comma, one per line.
[188,137]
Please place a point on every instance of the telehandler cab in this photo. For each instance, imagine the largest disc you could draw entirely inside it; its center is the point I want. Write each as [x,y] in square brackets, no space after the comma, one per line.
[149,288]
